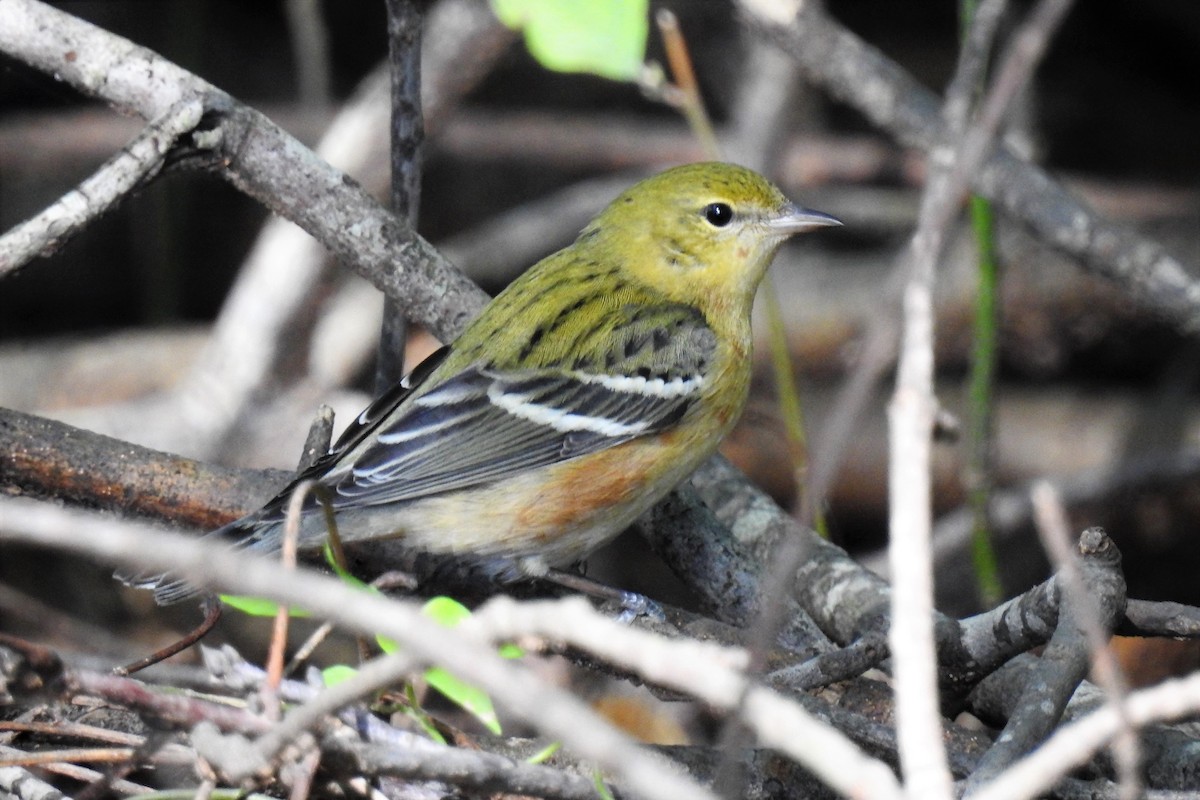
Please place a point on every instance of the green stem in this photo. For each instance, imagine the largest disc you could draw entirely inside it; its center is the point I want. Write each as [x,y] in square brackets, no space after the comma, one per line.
[790,407]
[980,383]
[980,404]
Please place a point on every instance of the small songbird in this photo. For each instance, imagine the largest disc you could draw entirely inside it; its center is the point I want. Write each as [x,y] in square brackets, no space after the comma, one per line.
[586,391]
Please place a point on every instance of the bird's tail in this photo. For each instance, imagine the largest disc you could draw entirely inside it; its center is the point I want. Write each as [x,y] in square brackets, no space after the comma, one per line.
[253,532]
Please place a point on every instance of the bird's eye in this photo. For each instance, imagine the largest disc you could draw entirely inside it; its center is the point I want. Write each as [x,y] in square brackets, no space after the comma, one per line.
[718,214]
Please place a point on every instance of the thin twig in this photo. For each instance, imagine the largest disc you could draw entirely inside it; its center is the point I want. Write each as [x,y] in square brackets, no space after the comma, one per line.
[14,777]
[465,768]
[1054,531]
[1057,674]
[886,95]
[287,559]
[68,755]
[911,417]
[133,165]
[253,154]
[210,609]
[407,134]
[680,61]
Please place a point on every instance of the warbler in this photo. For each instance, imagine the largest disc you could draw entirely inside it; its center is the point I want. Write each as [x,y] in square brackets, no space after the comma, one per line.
[581,395]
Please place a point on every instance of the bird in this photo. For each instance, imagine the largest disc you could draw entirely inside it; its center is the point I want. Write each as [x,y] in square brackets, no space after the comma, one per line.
[582,394]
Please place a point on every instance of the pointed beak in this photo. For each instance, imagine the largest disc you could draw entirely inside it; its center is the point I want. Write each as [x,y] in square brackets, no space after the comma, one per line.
[793,219]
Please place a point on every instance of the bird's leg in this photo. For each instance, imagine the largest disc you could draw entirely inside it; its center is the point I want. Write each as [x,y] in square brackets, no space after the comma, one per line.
[633,604]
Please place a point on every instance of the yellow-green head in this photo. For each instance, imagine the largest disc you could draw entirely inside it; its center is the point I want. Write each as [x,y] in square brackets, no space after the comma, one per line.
[702,234]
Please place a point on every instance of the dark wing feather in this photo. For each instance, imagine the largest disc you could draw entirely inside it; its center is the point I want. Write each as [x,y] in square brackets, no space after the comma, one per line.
[368,419]
[481,426]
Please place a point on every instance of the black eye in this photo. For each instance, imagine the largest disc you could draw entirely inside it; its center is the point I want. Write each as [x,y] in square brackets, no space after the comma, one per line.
[718,214]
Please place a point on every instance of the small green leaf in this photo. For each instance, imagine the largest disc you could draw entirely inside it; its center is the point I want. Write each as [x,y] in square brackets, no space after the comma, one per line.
[603,37]
[544,754]
[449,612]
[445,611]
[336,674]
[601,787]
[258,607]
[387,645]
[416,713]
[343,573]
[466,696]
[427,725]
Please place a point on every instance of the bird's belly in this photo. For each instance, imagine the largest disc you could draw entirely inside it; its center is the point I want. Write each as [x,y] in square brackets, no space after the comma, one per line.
[552,516]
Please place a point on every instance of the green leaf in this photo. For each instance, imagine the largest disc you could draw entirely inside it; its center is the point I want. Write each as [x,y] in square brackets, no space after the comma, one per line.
[603,37]
[258,607]
[426,725]
[416,713]
[544,754]
[466,696]
[448,612]
[337,673]
[445,611]
[601,787]
[343,573]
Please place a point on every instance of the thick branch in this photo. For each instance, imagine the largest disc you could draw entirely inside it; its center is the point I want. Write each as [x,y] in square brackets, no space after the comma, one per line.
[48,459]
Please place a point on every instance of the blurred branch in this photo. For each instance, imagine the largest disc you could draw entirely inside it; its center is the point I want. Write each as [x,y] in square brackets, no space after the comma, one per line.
[250,336]
[495,251]
[861,76]
[955,156]
[1074,744]
[1093,580]
[1095,605]
[846,600]
[310,50]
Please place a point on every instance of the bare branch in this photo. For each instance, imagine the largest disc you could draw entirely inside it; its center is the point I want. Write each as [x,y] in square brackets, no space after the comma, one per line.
[863,77]
[407,136]
[43,458]
[135,164]
[1054,531]
[252,153]
[1064,662]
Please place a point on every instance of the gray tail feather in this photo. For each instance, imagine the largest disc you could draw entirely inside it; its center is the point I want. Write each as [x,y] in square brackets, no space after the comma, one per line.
[250,532]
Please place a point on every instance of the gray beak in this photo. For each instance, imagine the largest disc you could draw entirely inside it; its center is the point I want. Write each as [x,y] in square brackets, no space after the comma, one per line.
[793,219]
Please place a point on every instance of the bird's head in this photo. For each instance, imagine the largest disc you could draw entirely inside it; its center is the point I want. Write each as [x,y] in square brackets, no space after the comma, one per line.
[701,233]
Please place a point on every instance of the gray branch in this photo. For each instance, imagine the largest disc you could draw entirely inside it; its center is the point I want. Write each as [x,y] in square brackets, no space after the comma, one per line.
[861,76]
[252,153]
[132,166]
